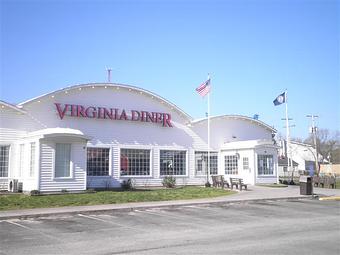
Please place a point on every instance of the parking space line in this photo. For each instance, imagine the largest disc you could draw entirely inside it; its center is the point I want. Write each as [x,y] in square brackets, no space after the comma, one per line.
[165,214]
[109,222]
[18,225]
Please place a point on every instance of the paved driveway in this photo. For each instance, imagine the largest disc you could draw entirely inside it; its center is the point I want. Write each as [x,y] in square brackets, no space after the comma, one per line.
[267,227]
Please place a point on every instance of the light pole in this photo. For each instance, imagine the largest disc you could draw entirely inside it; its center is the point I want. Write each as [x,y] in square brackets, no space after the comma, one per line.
[313,129]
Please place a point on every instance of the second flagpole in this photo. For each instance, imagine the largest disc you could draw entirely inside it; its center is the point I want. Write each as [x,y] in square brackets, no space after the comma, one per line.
[208,170]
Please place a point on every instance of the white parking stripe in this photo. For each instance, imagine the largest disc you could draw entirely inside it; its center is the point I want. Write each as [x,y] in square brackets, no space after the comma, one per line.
[109,222]
[17,224]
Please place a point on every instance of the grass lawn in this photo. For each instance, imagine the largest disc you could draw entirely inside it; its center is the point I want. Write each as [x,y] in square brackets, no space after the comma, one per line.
[9,202]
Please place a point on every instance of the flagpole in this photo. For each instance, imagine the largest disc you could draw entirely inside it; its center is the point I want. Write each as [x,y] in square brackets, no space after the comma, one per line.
[208,170]
[287,133]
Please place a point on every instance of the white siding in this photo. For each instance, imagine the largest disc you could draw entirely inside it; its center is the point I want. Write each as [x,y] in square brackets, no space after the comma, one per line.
[50,184]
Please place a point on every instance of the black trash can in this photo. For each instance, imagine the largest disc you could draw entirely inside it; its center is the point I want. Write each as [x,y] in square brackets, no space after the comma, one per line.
[306,185]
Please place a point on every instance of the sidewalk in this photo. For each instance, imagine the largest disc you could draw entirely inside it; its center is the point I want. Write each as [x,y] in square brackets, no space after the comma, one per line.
[254,193]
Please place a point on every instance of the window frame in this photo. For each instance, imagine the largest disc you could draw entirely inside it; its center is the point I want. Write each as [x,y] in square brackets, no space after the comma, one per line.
[245,160]
[54,177]
[231,172]
[142,149]
[8,159]
[32,164]
[272,165]
[185,165]
[110,162]
[203,152]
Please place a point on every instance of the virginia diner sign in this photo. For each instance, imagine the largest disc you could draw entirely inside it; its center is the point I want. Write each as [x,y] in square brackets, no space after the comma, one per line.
[93,112]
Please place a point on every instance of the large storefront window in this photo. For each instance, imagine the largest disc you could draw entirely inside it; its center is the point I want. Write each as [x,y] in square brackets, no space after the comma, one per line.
[134,162]
[230,164]
[62,160]
[201,162]
[4,159]
[172,162]
[265,165]
[98,160]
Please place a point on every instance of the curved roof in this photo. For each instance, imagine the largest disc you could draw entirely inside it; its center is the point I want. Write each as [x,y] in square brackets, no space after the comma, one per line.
[114,85]
[11,106]
[240,117]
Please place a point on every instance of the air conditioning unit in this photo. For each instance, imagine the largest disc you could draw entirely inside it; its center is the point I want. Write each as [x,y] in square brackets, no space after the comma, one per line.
[13,185]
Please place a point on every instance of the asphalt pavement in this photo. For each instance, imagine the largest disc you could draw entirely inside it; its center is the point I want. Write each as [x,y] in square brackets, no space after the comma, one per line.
[284,226]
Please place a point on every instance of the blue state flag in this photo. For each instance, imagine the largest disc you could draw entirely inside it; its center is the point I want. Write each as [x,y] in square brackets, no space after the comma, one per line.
[280,99]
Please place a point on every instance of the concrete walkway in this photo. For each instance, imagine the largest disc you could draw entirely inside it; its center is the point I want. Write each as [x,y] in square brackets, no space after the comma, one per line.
[253,193]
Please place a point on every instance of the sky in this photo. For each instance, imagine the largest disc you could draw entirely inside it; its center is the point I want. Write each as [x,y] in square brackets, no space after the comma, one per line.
[253,49]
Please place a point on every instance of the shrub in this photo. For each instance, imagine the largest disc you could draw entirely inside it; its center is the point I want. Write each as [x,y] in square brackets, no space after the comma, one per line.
[34,192]
[127,184]
[64,191]
[207,185]
[169,182]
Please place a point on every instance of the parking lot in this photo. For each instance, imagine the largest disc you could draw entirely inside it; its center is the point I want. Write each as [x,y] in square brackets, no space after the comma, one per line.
[266,227]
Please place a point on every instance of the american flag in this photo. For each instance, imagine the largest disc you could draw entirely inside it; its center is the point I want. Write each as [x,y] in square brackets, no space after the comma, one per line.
[204,88]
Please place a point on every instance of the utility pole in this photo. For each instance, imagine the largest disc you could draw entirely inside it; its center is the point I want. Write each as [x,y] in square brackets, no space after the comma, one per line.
[313,130]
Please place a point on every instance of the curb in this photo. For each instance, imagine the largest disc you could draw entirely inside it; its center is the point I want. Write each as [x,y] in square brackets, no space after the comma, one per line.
[334,198]
[126,208]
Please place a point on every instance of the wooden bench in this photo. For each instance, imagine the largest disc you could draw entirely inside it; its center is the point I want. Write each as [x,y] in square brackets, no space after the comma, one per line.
[216,181]
[219,181]
[234,182]
[242,184]
[238,183]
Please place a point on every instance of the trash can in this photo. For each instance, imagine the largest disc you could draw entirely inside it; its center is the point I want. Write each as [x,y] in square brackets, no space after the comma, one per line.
[306,185]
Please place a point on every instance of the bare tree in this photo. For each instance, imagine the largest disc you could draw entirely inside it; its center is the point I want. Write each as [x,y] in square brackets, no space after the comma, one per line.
[328,144]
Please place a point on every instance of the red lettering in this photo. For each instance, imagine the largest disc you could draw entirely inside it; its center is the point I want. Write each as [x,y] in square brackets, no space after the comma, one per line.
[81,111]
[73,110]
[167,120]
[108,114]
[116,114]
[143,117]
[159,117]
[135,115]
[90,112]
[60,111]
[123,116]
[149,116]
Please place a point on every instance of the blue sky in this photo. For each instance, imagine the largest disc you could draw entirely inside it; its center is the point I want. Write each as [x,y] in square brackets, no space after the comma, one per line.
[254,50]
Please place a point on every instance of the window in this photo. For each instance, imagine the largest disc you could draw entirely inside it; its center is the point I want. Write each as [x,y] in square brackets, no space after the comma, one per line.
[32,161]
[98,160]
[172,162]
[245,163]
[62,160]
[265,164]
[201,162]
[134,162]
[21,159]
[4,159]
[285,169]
[230,164]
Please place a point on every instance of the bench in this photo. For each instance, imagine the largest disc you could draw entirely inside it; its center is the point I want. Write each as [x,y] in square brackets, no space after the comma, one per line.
[242,184]
[218,181]
[238,183]
[234,182]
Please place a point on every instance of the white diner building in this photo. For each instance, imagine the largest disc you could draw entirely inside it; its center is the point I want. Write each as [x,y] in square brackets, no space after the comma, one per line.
[98,135]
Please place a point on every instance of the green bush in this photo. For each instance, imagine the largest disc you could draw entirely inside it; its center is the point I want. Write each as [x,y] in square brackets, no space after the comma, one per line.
[127,184]
[169,182]
[34,192]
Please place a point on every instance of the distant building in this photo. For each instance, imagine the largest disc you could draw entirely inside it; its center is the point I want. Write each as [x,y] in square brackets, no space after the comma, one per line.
[303,155]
